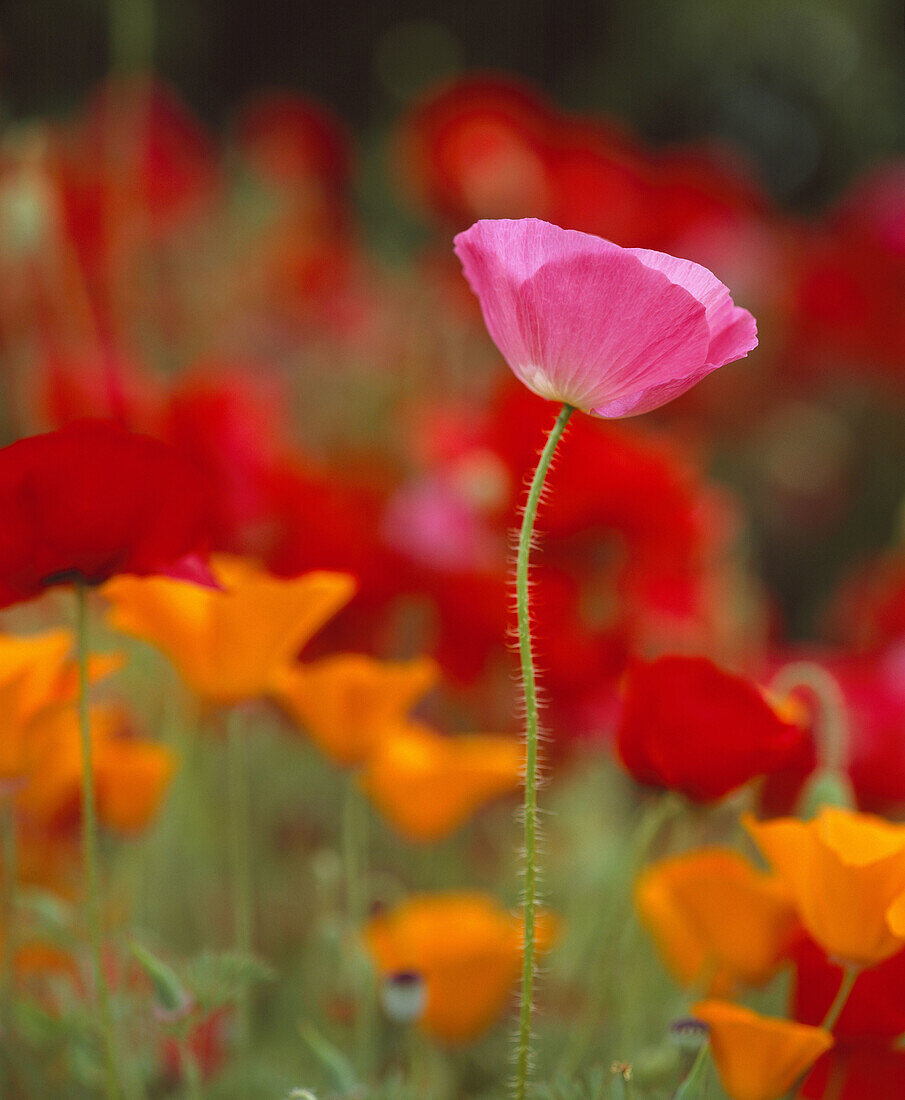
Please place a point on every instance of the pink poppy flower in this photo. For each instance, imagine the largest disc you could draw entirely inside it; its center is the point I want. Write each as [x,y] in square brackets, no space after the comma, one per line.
[612,331]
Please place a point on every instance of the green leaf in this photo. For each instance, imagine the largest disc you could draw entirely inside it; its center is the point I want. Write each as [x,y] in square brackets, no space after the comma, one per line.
[169,991]
[331,1058]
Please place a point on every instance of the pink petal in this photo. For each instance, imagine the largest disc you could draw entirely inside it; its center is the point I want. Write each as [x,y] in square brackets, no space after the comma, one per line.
[733,331]
[653,397]
[579,319]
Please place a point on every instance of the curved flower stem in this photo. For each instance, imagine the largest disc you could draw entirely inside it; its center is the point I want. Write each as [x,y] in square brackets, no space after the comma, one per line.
[833,721]
[240,860]
[112,1084]
[529,689]
[849,977]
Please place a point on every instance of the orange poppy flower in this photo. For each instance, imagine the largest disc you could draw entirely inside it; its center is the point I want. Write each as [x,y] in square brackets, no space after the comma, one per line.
[428,785]
[344,702]
[467,950]
[36,675]
[716,919]
[16,747]
[40,658]
[131,775]
[228,643]
[756,1057]
[846,875]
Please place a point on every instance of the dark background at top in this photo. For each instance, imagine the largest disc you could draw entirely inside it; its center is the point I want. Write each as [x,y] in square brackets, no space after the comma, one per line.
[812,89]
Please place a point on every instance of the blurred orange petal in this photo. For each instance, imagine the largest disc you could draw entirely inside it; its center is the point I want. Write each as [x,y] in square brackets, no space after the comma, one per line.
[428,785]
[716,919]
[344,702]
[757,1057]
[227,644]
[132,779]
[845,871]
[466,948]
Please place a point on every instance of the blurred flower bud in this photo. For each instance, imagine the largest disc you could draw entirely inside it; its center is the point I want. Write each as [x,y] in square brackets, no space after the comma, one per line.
[403,996]
[688,1034]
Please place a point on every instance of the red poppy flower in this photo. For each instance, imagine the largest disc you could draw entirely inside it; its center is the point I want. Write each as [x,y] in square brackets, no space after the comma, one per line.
[868,611]
[473,149]
[598,181]
[857,1071]
[225,419]
[93,383]
[169,166]
[92,500]
[293,141]
[863,1062]
[697,191]
[875,1008]
[691,727]
[208,1041]
[850,277]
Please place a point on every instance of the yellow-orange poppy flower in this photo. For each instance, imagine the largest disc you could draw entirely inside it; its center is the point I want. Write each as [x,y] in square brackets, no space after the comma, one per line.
[17,749]
[131,775]
[845,872]
[344,702]
[716,919]
[757,1057]
[37,674]
[39,658]
[428,785]
[227,644]
[467,950]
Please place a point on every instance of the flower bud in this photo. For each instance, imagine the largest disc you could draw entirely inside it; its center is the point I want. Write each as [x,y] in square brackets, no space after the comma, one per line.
[403,996]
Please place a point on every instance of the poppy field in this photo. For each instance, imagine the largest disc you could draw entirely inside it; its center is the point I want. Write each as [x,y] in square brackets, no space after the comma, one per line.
[465,669]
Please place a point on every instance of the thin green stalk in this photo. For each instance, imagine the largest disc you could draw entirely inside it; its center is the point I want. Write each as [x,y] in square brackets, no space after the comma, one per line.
[617,924]
[191,1071]
[240,859]
[354,844]
[529,689]
[419,1063]
[697,1084]
[112,1080]
[849,977]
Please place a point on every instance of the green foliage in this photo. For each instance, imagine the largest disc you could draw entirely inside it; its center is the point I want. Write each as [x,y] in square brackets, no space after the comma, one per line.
[336,1064]
[217,978]
[596,1084]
